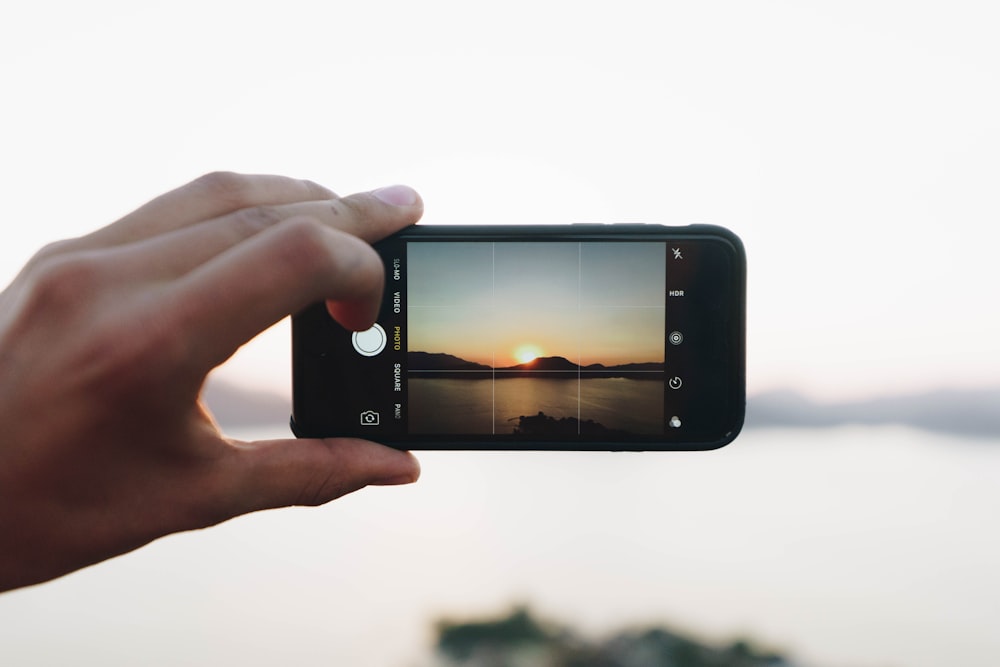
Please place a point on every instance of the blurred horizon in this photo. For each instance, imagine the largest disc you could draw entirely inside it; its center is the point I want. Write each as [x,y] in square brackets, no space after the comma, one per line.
[957,412]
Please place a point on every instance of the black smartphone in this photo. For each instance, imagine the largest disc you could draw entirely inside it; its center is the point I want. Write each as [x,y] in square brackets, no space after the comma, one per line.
[557,337]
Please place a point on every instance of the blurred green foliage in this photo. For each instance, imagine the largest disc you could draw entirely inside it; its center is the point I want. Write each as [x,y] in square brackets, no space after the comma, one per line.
[520,639]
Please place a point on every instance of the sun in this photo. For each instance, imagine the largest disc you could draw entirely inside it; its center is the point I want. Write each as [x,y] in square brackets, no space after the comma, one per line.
[527,352]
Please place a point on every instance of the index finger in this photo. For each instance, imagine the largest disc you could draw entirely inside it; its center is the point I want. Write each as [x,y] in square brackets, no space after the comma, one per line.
[370,216]
[210,196]
[230,299]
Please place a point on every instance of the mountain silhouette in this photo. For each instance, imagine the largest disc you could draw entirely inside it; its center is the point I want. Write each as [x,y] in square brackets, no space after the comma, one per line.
[970,413]
[439,361]
[644,366]
[544,364]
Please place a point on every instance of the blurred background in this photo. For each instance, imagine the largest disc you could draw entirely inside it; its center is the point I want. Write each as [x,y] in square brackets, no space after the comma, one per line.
[852,145]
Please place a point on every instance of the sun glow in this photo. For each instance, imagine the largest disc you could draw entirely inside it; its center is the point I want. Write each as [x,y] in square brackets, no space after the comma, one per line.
[526,353]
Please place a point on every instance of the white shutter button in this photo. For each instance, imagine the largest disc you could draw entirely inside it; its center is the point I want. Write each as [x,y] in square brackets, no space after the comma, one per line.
[370,342]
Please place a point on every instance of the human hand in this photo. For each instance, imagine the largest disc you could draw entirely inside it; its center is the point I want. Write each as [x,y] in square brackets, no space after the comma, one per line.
[105,343]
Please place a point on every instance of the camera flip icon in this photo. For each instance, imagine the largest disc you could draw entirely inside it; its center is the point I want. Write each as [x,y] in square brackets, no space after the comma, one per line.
[369,418]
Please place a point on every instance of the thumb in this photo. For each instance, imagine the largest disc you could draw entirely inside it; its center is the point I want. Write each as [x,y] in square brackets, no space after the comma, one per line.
[281,473]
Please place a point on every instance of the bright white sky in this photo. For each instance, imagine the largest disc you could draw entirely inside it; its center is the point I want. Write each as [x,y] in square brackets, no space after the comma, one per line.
[853,145]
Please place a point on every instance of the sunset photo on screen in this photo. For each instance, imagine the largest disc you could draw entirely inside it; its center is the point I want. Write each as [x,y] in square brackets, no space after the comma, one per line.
[536,338]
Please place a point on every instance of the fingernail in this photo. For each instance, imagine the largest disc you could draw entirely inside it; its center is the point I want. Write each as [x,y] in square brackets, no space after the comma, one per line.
[397,195]
[397,480]
[408,477]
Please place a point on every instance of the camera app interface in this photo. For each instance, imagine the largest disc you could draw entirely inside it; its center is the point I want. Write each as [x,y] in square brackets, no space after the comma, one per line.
[533,339]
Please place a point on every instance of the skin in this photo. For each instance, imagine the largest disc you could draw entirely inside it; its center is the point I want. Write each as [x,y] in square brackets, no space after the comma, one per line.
[105,343]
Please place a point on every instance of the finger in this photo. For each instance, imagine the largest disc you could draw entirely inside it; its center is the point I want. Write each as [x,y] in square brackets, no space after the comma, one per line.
[207,197]
[280,473]
[230,299]
[365,215]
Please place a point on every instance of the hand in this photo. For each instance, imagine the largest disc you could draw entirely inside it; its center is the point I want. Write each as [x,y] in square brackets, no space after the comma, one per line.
[105,343]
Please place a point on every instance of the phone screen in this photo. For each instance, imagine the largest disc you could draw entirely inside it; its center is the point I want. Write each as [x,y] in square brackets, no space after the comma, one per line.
[555,337]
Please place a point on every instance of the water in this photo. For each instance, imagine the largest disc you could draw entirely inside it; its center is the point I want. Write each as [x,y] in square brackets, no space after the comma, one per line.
[852,547]
[445,405]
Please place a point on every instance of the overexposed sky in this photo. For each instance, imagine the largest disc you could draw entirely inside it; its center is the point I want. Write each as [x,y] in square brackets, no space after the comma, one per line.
[852,145]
